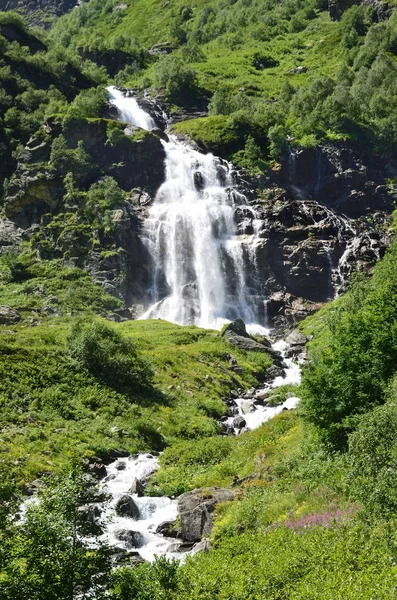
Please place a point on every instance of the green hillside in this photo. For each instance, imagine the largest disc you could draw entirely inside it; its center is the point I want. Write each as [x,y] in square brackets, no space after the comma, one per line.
[273,71]
[315,492]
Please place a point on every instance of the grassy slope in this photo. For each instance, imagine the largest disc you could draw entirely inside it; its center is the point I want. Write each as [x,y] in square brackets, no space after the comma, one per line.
[227,62]
[51,408]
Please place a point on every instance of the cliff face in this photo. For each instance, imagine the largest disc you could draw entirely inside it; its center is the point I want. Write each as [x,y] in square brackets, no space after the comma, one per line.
[310,223]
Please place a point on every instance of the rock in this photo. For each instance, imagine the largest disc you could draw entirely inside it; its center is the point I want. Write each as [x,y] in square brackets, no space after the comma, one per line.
[298,70]
[89,516]
[196,510]
[199,181]
[244,343]
[137,487]
[162,48]
[227,429]
[296,338]
[239,422]
[9,316]
[169,529]
[126,507]
[97,468]
[121,466]
[203,546]
[132,539]
[247,407]
[238,327]
[274,372]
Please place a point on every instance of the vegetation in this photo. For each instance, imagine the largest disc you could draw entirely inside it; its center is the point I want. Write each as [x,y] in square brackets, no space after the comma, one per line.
[314,511]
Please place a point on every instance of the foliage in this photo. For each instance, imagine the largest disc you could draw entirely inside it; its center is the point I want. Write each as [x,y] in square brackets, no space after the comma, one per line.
[49,558]
[373,459]
[178,80]
[109,356]
[351,375]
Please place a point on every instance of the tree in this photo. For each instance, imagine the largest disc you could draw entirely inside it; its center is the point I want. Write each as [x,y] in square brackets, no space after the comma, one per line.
[178,80]
[49,557]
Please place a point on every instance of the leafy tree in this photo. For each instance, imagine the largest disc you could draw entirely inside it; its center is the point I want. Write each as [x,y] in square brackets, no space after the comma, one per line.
[49,558]
[178,79]
[373,459]
[351,375]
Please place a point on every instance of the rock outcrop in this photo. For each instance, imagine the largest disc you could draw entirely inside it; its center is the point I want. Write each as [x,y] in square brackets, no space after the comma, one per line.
[196,511]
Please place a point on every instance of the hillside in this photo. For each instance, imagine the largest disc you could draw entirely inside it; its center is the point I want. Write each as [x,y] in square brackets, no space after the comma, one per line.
[274,444]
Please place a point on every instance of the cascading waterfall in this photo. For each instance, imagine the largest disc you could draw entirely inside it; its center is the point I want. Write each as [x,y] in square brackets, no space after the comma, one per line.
[129,110]
[200,263]
[201,267]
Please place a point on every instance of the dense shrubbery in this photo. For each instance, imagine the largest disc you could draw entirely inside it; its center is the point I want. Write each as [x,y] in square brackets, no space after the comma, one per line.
[177,78]
[350,376]
[109,356]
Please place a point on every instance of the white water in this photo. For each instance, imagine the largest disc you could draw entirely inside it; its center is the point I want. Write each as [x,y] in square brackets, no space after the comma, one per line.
[152,510]
[201,266]
[129,110]
[260,414]
[199,261]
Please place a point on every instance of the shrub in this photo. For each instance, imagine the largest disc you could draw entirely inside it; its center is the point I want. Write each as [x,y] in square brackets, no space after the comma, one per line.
[109,356]
[373,459]
[178,80]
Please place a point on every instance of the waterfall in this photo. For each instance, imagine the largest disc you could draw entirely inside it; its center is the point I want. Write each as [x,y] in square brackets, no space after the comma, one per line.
[199,261]
[203,271]
[129,110]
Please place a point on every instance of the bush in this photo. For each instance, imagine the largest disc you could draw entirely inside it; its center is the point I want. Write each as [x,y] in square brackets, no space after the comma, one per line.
[373,459]
[109,356]
[350,376]
[178,80]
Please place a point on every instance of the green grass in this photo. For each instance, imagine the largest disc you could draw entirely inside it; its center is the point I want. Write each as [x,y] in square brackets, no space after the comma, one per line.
[51,408]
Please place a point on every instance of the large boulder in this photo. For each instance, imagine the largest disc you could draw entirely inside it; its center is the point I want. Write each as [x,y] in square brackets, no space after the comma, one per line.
[126,507]
[296,338]
[235,327]
[137,487]
[196,511]
[245,343]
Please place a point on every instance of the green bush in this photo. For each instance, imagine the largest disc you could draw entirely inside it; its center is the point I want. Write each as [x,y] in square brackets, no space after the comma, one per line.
[178,80]
[351,375]
[109,356]
[373,459]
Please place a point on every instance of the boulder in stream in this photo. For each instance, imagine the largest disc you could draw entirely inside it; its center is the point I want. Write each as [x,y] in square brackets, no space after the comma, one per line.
[132,539]
[137,487]
[196,510]
[126,507]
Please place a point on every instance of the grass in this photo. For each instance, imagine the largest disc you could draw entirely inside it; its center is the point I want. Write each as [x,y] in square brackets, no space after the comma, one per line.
[51,408]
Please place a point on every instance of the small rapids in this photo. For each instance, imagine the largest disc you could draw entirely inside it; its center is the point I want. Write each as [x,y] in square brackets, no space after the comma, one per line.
[152,510]
[254,410]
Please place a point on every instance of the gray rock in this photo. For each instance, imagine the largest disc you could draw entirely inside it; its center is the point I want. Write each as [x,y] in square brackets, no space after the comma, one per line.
[132,539]
[196,510]
[247,407]
[238,327]
[89,516]
[239,422]
[245,343]
[203,546]
[137,487]
[126,507]
[9,316]
[274,372]
[296,338]
[169,529]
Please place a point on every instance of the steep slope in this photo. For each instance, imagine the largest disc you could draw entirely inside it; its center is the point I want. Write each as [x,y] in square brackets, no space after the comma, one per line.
[39,12]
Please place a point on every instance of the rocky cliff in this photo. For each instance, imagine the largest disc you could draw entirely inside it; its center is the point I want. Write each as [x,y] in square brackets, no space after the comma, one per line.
[322,214]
